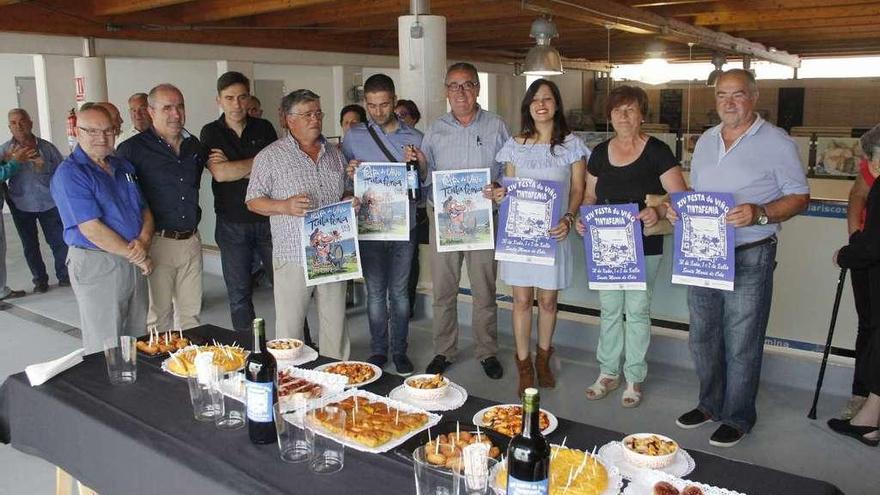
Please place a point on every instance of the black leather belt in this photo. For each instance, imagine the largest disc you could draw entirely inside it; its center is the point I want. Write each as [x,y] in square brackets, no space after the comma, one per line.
[750,245]
[177,235]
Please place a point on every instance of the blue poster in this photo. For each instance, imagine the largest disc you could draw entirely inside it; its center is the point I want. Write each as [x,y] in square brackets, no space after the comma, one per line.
[704,241]
[613,246]
[462,216]
[330,244]
[531,208]
[384,211]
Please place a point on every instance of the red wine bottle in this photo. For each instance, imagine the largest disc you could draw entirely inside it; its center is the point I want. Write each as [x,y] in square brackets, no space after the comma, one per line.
[528,455]
[262,395]
[414,186]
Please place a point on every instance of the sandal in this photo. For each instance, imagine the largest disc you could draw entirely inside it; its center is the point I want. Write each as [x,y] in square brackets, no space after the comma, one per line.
[603,385]
[631,397]
[857,432]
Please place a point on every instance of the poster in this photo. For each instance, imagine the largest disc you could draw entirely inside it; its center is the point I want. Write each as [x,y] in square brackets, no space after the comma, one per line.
[613,246]
[462,216]
[532,207]
[330,244]
[704,246]
[384,211]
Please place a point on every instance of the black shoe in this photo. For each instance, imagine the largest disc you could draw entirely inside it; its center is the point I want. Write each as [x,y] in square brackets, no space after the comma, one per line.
[403,364]
[64,283]
[378,360]
[726,436]
[492,368]
[438,365]
[858,432]
[41,288]
[13,294]
[692,419]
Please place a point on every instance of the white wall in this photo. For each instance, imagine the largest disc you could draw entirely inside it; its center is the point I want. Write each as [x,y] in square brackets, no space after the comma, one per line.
[12,66]
[314,77]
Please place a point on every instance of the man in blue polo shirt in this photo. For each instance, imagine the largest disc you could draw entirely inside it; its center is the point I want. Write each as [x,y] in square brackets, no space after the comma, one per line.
[386,264]
[108,229]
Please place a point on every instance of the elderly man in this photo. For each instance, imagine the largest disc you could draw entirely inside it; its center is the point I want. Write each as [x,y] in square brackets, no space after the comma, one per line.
[115,116]
[108,227]
[300,172]
[30,201]
[169,163]
[466,137]
[140,116]
[758,163]
[253,107]
[234,140]
[386,264]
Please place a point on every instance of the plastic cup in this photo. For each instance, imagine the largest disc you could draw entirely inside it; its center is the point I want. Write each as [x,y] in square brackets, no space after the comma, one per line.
[121,356]
[328,455]
[294,444]
[431,479]
[233,411]
[204,392]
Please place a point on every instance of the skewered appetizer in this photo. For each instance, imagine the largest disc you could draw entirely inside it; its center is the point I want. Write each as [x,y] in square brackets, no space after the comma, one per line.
[572,472]
[508,420]
[355,371]
[446,450]
[162,343]
[228,357]
[371,423]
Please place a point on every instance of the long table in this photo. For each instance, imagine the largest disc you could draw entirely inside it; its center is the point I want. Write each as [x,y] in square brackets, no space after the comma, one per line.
[142,439]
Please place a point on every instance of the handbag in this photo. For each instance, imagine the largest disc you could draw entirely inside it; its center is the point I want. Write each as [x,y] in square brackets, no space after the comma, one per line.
[663,226]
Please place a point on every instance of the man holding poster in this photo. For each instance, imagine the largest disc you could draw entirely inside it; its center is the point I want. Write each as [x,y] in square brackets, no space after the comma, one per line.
[468,137]
[386,263]
[758,163]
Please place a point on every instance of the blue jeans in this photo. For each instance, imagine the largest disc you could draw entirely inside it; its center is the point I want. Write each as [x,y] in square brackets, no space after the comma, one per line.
[386,267]
[237,243]
[53,231]
[727,330]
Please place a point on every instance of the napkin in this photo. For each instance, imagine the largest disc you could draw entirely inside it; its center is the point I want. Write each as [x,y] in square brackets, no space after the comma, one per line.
[39,373]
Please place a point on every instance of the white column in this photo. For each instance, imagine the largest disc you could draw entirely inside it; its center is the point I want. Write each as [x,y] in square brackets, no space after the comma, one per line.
[246,68]
[423,65]
[55,96]
[345,79]
[89,80]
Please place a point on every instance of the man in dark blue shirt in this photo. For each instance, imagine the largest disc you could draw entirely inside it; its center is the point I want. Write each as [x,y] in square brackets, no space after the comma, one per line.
[108,229]
[169,162]
[234,140]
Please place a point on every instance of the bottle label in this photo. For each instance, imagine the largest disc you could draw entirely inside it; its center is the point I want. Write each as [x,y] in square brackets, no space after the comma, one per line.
[520,487]
[412,179]
[259,401]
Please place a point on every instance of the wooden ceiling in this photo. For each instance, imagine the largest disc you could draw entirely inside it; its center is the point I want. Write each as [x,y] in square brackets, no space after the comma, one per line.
[490,30]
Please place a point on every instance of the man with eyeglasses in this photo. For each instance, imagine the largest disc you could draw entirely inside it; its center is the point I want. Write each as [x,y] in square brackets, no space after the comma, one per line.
[300,172]
[466,137]
[169,162]
[386,264]
[30,201]
[757,162]
[108,227]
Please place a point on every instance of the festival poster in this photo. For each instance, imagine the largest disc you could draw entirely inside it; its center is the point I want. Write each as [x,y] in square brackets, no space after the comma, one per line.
[532,207]
[704,241]
[613,246]
[384,211]
[330,244]
[462,216]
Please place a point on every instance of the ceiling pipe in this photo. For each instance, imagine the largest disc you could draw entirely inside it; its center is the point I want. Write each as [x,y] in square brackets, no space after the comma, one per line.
[420,7]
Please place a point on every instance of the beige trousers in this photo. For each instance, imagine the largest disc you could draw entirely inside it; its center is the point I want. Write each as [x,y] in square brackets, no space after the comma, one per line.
[446,277]
[176,283]
[292,305]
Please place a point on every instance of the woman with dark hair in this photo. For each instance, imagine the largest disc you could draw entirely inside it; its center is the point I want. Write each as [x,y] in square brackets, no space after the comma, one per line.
[351,115]
[408,112]
[545,149]
[624,169]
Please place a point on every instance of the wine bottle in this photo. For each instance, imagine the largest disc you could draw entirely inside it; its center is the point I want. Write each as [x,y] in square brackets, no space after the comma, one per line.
[528,455]
[414,188]
[260,369]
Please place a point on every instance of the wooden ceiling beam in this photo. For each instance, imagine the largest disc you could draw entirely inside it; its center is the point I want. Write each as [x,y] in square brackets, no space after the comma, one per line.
[796,25]
[119,7]
[217,10]
[694,9]
[767,15]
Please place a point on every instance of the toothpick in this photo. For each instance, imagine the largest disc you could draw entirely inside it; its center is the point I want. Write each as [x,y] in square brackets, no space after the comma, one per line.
[397,417]
[437,447]
[457,432]
[570,474]
[479,436]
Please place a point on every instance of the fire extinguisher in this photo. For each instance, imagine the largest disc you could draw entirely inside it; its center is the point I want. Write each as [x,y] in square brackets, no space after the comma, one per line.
[71,129]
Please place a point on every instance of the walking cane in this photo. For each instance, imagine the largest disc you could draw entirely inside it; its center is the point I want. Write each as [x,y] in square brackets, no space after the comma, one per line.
[840,280]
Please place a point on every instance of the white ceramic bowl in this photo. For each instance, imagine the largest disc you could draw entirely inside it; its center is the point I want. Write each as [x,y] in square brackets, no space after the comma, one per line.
[296,348]
[426,393]
[644,460]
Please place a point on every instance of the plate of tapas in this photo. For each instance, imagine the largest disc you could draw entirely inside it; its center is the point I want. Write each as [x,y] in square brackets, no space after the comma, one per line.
[572,472]
[310,384]
[653,482]
[641,451]
[182,362]
[161,344]
[358,373]
[445,441]
[507,419]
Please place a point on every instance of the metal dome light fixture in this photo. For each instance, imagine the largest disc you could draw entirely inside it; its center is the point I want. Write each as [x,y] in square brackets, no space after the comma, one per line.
[542,59]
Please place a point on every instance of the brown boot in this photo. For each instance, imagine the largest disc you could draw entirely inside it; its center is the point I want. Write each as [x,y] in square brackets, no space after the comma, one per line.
[526,374]
[542,366]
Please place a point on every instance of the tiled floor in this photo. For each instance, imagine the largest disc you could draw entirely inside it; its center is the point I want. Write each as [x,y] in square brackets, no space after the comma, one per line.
[783,438]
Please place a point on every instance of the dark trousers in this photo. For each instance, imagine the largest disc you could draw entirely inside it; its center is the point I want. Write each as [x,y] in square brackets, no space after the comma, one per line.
[862,297]
[237,243]
[418,235]
[53,231]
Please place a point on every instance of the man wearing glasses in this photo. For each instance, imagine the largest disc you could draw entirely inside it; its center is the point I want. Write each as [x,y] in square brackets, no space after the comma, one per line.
[466,137]
[300,172]
[108,227]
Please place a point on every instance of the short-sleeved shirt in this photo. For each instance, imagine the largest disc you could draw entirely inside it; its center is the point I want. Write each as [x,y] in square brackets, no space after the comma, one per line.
[170,182]
[760,167]
[360,145]
[630,183]
[229,196]
[84,192]
[29,187]
[283,170]
[448,145]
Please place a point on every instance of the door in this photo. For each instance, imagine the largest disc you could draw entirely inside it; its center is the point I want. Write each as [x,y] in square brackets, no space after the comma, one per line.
[27,99]
[791,108]
[270,93]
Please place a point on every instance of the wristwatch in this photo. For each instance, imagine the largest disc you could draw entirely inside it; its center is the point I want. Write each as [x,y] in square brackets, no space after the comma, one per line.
[763,219]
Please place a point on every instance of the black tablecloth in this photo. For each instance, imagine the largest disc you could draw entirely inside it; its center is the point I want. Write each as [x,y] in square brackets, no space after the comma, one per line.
[142,439]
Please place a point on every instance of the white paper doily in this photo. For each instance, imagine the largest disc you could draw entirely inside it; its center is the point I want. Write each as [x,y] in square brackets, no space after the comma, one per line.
[644,484]
[615,480]
[681,466]
[551,418]
[306,355]
[454,398]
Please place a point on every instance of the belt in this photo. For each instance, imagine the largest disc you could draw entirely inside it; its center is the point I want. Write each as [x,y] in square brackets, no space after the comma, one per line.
[750,245]
[177,235]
